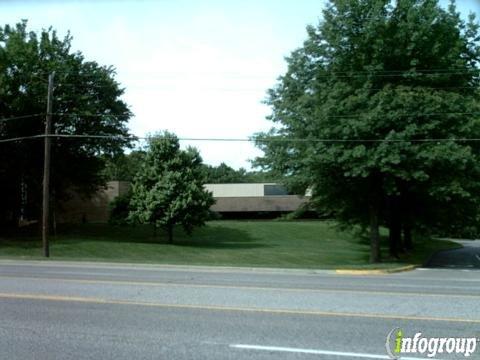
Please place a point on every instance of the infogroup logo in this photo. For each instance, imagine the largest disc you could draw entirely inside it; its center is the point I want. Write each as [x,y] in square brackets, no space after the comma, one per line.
[398,344]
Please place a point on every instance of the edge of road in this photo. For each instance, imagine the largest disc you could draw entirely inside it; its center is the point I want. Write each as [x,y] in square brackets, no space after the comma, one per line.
[376,271]
[226,269]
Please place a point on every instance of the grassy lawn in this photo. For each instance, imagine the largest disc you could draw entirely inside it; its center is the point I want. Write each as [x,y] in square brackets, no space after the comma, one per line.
[295,244]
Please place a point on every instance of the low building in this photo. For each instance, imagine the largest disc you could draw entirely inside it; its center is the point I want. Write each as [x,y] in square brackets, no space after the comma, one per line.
[94,209]
[254,198]
[230,200]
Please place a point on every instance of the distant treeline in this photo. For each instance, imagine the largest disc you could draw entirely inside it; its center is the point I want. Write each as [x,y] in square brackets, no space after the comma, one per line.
[124,167]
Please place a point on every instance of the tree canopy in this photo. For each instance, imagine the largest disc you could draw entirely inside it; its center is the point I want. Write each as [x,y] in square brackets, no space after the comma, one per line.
[224,174]
[86,101]
[168,190]
[371,114]
[123,167]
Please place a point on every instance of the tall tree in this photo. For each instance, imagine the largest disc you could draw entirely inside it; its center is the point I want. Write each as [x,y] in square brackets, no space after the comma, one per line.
[86,100]
[168,190]
[371,83]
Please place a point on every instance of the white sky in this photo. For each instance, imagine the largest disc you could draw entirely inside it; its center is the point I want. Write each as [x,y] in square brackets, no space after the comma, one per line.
[198,68]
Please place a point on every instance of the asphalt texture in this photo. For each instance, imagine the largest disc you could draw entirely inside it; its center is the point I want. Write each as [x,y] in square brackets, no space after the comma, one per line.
[53,310]
[467,257]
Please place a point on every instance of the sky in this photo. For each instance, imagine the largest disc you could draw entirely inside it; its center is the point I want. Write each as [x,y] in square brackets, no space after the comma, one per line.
[198,68]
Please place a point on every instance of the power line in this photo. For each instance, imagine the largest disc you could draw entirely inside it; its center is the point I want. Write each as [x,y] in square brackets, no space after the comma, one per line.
[346,116]
[258,140]
[399,73]
[333,140]
[42,136]
[405,114]
[155,87]
[21,138]
[436,70]
[237,73]
[91,115]
[106,137]
[406,74]
[338,74]
[20,117]
[428,87]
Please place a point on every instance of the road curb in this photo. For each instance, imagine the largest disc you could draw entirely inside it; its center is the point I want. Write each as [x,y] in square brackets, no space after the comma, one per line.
[172,267]
[218,268]
[376,271]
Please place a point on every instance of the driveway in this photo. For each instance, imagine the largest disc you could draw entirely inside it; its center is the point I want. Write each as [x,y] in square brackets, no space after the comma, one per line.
[467,257]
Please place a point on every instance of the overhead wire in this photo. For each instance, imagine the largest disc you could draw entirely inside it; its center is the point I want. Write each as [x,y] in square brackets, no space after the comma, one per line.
[271,139]
[257,140]
[379,73]
[19,117]
[346,116]
[434,70]
[21,138]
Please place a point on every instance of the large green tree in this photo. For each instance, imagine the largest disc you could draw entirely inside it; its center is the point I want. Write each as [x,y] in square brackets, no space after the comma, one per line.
[168,190]
[86,100]
[370,114]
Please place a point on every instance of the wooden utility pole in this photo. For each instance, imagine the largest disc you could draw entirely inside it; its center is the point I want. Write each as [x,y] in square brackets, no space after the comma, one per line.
[46,169]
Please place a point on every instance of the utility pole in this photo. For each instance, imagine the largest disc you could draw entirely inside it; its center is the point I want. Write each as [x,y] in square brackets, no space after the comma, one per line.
[46,169]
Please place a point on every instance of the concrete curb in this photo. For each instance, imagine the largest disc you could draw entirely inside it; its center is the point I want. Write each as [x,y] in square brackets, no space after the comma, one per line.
[376,271]
[168,267]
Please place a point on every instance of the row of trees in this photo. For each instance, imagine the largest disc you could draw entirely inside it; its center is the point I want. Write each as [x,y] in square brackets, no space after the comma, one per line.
[124,167]
[371,114]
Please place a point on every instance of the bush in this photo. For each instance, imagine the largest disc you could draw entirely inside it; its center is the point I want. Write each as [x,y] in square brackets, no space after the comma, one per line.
[119,209]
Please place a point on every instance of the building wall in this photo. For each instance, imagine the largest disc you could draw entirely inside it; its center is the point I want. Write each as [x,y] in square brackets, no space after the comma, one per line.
[93,210]
[280,203]
[246,190]
[261,197]
[229,198]
[235,190]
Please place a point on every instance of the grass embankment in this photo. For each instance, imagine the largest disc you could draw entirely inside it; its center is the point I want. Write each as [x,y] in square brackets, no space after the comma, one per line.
[295,244]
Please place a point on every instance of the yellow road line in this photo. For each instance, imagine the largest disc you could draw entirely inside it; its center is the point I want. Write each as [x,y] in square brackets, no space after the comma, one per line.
[104,301]
[182,285]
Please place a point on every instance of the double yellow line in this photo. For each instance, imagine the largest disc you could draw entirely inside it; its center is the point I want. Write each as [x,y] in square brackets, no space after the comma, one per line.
[240,287]
[103,301]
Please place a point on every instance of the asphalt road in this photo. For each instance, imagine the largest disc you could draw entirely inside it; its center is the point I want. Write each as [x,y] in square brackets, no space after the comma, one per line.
[467,257]
[103,311]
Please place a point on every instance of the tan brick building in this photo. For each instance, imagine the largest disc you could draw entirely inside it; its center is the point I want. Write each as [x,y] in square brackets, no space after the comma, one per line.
[229,198]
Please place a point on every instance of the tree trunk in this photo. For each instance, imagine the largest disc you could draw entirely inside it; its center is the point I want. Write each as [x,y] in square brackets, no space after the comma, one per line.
[170,233]
[154,229]
[394,239]
[54,214]
[375,256]
[395,227]
[407,236]
[407,213]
